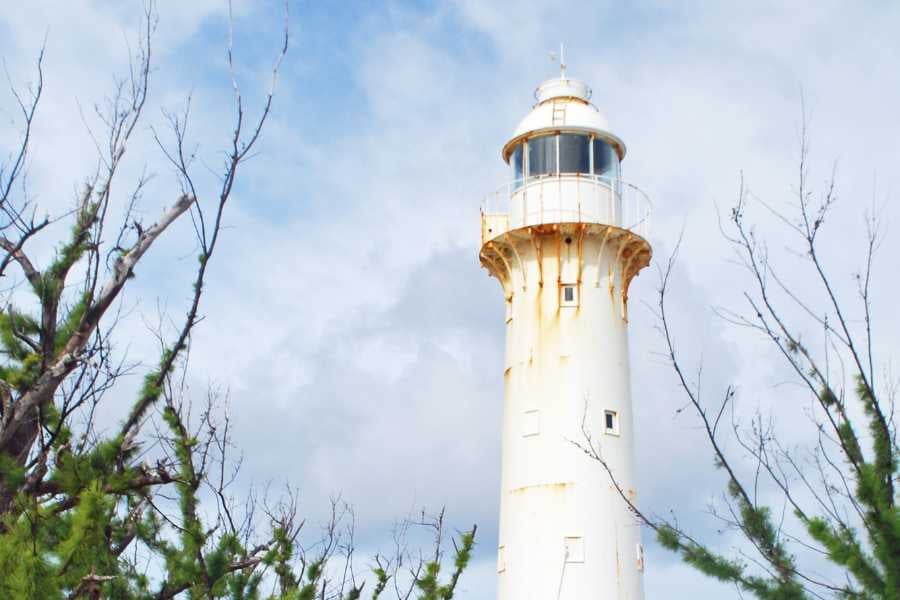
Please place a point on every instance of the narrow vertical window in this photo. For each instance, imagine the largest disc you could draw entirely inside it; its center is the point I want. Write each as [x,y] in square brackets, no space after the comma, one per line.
[574,153]
[556,155]
[611,422]
[517,161]
[542,152]
[605,159]
[591,155]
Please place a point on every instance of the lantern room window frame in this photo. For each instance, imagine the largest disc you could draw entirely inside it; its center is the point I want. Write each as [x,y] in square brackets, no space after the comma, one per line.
[520,158]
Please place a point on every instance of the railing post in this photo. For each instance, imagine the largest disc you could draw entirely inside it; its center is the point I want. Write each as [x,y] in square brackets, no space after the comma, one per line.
[541,187]
[524,205]
[559,202]
[578,194]
[510,189]
[622,205]
[617,204]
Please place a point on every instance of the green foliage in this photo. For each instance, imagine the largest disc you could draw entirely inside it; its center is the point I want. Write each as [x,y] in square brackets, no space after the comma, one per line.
[871,557]
[11,472]
[49,552]
[13,326]
[429,584]
[827,396]
[68,254]
[279,558]
[70,323]
[76,472]
[83,544]
[381,581]
[152,388]
[75,537]
[698,556]
[29,572]
[79,516]
[23,364]
[844,549]
[21,334]
[727,570]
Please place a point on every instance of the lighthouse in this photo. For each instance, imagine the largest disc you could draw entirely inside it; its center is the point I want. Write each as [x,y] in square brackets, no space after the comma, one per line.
[565,237]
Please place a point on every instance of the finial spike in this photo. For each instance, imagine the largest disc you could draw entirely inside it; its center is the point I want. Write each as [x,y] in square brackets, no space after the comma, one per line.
[562,60]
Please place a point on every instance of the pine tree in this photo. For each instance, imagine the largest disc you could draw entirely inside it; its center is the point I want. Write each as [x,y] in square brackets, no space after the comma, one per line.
[120,515]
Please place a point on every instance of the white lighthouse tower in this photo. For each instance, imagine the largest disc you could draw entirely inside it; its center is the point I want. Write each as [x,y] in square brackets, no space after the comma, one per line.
[565,238]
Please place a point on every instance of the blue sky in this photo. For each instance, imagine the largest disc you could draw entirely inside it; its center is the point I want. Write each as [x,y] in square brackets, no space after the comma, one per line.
[347,314]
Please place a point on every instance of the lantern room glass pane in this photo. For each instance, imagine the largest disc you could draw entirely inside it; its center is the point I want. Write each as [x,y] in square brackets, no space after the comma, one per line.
[542,156]
[574,153]
[516,161]
[606,161]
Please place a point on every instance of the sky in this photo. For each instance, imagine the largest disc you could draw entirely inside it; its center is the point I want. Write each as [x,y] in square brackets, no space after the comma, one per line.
[346,313]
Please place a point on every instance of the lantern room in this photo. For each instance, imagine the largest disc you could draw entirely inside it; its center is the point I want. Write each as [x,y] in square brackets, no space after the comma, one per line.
[563,153]
[563,133]
[565,167]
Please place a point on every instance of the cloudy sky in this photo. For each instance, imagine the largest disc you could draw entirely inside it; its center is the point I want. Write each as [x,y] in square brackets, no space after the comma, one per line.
[347,313]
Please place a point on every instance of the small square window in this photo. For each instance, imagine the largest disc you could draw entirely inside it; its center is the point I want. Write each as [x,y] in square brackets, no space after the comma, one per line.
[574,549]
[611,422]
[531,423]
[569,294]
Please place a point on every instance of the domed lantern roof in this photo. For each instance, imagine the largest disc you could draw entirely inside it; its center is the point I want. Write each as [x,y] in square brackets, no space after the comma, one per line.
[563,105]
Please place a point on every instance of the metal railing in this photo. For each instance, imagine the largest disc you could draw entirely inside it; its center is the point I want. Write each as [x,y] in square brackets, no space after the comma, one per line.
[571,198]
